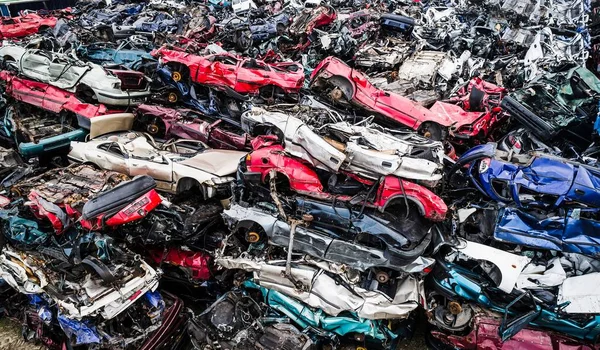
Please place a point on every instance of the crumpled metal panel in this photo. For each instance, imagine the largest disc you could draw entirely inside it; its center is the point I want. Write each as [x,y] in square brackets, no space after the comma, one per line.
[339,325]
[570,233]
[323,292]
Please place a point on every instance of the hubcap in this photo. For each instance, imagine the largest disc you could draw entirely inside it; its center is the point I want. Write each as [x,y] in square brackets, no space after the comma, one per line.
[176,76]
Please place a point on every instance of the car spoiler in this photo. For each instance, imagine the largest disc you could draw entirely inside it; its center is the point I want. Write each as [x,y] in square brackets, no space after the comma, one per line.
[112,201]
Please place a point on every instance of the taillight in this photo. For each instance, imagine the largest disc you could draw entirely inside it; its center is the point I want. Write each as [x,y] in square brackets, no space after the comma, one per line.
[514,142]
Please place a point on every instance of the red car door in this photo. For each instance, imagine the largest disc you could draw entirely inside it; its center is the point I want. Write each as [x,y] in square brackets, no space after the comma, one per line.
[29,91]
[221,72]
[252,75]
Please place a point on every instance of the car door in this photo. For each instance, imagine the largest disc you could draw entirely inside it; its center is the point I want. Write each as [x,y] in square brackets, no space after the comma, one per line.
[252,75]
[35,64]
[158,167]
[64,73]
[222,71]
[110,156]
[29,91]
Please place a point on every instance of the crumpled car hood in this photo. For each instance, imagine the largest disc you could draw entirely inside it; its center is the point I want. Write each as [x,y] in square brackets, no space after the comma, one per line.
[214,161]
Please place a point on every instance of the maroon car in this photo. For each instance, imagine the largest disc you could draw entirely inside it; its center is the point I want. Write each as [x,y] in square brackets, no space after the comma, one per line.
[484,335]
[185,123]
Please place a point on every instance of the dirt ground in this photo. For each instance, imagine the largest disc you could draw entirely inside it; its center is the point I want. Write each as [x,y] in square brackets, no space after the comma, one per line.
[11,338]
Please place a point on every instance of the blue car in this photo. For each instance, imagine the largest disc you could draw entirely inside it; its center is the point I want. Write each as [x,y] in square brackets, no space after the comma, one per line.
[179,91]
[574,232]
[126,54]
[270,27]
[537,180]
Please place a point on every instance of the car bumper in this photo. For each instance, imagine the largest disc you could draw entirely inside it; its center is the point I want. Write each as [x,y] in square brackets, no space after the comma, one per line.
[126,98]
[51,144]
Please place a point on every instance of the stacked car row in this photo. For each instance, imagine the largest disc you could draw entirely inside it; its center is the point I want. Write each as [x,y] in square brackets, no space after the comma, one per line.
[299,200]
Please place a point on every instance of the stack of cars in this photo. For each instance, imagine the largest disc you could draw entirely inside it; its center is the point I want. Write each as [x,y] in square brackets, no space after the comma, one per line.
[301,174]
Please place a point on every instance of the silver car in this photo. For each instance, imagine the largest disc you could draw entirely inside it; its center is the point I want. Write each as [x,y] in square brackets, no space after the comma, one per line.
[360,149]
[91,82]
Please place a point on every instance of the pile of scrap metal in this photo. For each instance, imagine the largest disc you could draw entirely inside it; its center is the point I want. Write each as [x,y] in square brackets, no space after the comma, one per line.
[301,174]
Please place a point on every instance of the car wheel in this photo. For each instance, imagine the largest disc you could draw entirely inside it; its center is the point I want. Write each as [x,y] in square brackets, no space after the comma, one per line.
[152,125]
[172,97]
[271,93]
[179,72]
[15,192]
[253,234]
[341,91]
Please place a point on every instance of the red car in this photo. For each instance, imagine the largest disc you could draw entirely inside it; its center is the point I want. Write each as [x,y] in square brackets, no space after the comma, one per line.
[229,72]
[311,18]
[50,98]
[346,85]
[28,24]
[193,265]
[303,179]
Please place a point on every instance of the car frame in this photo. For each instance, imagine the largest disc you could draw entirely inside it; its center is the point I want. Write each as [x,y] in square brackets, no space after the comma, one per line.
[303,179]
[25,25]
[363,160]
[560,181]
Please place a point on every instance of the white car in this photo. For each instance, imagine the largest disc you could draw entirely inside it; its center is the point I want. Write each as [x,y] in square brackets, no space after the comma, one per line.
[91,82]
[364,150]
[176,166]
[241,7]
[90,296]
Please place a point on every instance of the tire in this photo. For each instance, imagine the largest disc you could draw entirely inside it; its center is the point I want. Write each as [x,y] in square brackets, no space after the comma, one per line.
[270,93]
[152,125]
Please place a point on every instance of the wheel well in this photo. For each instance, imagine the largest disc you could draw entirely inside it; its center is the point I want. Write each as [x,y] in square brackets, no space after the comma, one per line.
[433,130]
[82,92]
[187,183]
[343,84]
[144,122]
[399,202]
[282,182]
[243,228]
[268,129]
[179,67]
[6,60]
[93,165]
